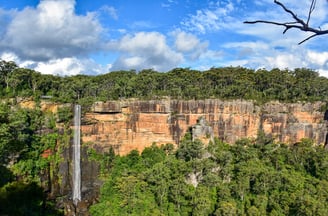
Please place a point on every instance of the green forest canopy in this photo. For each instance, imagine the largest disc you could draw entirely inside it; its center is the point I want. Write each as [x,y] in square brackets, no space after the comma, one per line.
[249,178]
[180,83]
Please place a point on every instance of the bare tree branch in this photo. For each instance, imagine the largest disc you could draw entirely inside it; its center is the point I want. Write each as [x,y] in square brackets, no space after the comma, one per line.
[312,7]
[297,24]
[308,38]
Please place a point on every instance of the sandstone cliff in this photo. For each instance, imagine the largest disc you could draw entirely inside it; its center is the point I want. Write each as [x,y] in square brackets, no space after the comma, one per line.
[128,125]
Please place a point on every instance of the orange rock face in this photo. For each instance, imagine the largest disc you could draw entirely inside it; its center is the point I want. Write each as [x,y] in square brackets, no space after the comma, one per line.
[132,125]
[27,104]
[46,106]
[46,153]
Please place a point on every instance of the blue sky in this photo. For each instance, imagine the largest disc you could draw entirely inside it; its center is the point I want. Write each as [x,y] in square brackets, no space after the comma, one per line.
[69,37]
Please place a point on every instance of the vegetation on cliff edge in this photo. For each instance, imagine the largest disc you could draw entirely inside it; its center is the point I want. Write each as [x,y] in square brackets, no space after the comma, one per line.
[180,83]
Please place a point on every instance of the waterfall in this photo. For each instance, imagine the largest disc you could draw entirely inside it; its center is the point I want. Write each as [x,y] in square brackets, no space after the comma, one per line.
[77,156]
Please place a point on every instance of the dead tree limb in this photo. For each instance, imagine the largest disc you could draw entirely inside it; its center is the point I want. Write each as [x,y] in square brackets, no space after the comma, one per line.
[297,24]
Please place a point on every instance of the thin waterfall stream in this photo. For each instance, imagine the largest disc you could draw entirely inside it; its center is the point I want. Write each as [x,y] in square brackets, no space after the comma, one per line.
[77,155]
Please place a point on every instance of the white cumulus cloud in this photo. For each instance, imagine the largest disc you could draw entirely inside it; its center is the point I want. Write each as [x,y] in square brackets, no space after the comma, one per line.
[52,30]
[145,50]
[69,66]
[63,66]
[189,44]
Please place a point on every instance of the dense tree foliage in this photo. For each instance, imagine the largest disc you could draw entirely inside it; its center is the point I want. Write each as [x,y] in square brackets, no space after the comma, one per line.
[252,177]
[24,135]
[181,83]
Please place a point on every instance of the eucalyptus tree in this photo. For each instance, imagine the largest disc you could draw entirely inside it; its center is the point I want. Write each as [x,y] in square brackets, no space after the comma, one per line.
[6,68]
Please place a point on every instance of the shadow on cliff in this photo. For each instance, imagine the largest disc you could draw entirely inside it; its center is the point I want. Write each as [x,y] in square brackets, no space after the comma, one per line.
[5,176]
[18,198]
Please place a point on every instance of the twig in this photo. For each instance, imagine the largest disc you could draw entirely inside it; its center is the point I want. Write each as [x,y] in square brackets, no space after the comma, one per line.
[298,23]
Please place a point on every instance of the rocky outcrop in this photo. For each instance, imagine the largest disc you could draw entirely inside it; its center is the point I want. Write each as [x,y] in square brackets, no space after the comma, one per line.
[58,182]
[127,125]
[202,131]
[44,105]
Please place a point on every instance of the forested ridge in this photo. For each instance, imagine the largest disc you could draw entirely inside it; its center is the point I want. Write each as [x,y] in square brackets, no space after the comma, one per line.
[251,177]
[180,83]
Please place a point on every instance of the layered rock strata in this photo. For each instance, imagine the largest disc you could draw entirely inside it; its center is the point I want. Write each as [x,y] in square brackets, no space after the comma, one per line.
[128,125]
